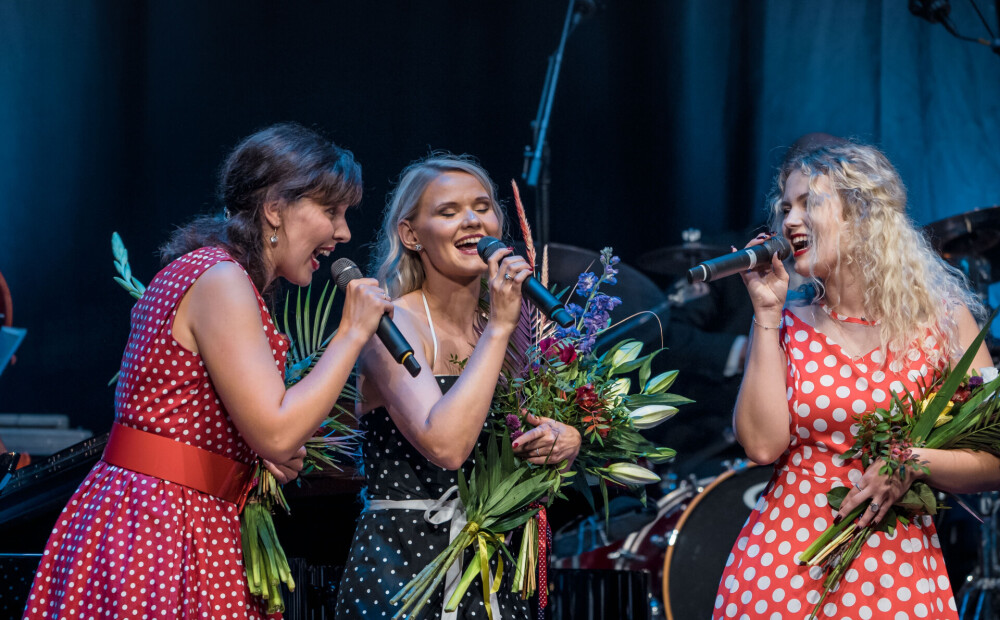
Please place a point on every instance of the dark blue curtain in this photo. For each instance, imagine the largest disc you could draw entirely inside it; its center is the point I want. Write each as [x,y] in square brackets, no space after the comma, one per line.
[669,114]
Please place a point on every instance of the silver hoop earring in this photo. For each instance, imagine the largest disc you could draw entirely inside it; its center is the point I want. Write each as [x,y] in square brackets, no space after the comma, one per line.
[417,247]
[274,237]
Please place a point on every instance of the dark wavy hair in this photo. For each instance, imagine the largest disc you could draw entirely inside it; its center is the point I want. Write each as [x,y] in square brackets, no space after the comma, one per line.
[284,162]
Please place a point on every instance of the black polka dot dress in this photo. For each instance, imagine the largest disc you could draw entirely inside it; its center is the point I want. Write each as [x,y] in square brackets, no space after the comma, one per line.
[391,546]
[129,545]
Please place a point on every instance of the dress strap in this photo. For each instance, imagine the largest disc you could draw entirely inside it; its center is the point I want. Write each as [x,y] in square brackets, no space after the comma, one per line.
[430,323]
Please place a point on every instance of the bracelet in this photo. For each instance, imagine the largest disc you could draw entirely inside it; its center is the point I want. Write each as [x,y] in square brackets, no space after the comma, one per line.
[762,326]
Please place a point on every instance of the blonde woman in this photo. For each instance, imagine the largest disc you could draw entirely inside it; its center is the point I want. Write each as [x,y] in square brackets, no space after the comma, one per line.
[887,313]
[420,430]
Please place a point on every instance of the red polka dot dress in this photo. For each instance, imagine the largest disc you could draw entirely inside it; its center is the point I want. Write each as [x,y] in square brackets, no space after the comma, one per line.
[129,545]
[896,577]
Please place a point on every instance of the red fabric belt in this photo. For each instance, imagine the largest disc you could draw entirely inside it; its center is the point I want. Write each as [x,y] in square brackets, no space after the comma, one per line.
[162,457]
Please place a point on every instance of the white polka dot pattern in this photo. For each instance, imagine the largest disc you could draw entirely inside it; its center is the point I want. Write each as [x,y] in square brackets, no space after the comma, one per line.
[129,545]
[901,575]
[390,546]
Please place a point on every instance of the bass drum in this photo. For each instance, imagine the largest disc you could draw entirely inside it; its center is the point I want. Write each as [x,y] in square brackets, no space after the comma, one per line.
[700,543]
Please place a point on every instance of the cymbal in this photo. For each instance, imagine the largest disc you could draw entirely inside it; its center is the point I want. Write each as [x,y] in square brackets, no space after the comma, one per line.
[971,233]
[676,259]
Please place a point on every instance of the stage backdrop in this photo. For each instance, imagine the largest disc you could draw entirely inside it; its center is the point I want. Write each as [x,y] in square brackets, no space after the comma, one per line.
[668,115]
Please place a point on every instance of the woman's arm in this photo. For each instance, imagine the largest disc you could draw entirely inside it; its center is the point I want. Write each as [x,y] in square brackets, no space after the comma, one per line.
[445,428]
[964,471]
[219,318]
[760,418]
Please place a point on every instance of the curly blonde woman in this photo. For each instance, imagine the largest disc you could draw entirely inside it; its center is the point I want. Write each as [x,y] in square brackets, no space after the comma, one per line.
[887,314]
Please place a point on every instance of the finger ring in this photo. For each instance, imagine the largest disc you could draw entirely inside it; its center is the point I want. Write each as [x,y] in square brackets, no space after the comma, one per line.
[858,486]
[537,453]
[874,507]
[507,276]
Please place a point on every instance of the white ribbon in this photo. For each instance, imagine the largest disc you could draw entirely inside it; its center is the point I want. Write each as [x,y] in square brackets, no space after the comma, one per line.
[446,508]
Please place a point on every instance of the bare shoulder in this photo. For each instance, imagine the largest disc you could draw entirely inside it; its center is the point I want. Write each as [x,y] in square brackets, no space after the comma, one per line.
[222,299]
[968,329]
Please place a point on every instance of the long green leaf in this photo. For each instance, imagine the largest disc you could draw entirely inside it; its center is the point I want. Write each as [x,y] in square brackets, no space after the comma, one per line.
[930,415]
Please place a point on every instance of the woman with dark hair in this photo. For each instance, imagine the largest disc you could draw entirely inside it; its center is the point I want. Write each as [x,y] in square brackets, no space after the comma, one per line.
[153,531]
[420,431]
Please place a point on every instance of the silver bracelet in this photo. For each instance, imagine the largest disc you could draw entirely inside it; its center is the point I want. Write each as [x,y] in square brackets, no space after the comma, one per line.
[761,325]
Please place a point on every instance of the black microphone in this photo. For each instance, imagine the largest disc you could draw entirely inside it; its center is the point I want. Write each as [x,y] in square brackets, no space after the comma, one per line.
[530,288]
[743,260]
[344,270]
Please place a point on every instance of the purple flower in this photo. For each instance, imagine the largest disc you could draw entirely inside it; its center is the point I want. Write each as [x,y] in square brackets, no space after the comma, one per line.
[567,332]
[585,284]
[586,344]
[575,310]
[513,422]
[975,380]
[515,435]
[604,303]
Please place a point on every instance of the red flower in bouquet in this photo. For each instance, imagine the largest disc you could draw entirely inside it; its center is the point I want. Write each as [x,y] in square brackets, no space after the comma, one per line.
[587,398]
[555,349]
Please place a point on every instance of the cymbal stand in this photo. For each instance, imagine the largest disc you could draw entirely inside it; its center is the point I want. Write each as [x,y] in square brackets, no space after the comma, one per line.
[983,585]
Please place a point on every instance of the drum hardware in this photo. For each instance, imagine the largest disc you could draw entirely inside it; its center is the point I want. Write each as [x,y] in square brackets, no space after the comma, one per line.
[660,541]
[698,545]
[982,586]
[677,259]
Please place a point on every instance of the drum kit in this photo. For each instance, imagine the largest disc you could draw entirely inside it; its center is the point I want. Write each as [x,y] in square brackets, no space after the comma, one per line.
[684,545]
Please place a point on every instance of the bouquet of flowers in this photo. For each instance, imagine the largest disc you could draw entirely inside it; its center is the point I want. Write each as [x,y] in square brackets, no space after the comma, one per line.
[954,411]
[557,373]
[264,559]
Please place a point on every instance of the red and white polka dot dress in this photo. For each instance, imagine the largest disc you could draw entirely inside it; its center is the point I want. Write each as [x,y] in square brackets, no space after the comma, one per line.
[895,577]
[129,545]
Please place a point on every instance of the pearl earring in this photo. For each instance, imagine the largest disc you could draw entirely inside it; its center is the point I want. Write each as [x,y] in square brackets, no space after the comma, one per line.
[417,247]
[274,237]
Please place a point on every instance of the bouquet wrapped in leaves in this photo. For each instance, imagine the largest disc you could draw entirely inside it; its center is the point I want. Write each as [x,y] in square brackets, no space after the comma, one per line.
[955,411]
[555,373]
[263,558]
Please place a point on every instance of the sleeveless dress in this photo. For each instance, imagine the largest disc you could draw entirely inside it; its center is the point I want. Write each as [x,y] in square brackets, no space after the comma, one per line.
[391,546]
[129,545]
[895,576]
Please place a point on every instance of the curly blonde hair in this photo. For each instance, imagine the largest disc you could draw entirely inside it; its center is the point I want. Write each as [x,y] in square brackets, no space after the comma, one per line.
[397,268]
[907,286]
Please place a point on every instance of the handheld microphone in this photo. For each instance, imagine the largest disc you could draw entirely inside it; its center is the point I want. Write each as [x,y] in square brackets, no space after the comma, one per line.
[530,288]
[743,260]
[344,270]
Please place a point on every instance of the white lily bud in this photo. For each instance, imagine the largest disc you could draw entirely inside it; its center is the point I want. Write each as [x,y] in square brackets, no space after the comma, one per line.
[626,353]
[660,382]
[629,473]
[661,455]
[651,415]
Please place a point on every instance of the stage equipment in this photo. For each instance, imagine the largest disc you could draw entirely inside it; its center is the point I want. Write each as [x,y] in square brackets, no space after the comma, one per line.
[344,270]
[970,242]
[979,597]
[36,494]
[937,12]
[685,547]
[598,595]
[746,259]
[17,571]
[537,157]
[677,259]
[539,296]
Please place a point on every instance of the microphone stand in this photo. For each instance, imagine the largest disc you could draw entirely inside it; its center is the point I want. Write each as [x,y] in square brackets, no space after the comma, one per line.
[537,157]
